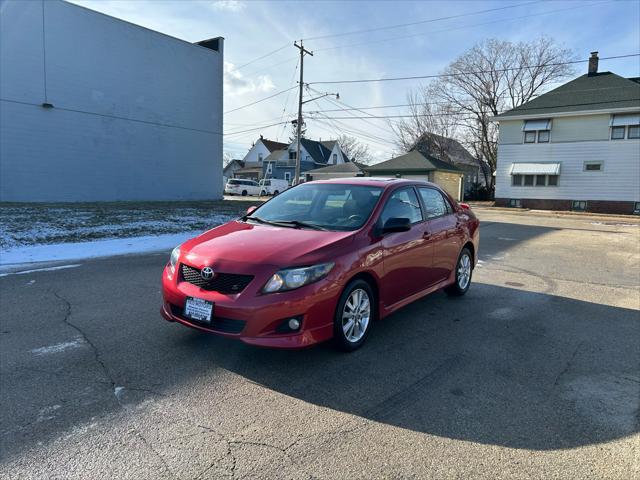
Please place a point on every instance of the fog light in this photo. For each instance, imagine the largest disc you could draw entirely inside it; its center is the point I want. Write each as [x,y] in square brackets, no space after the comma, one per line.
[294,324]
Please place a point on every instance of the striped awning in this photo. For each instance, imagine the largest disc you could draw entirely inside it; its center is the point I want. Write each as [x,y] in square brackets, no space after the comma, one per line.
[627,119]
[540,124]
[535,169]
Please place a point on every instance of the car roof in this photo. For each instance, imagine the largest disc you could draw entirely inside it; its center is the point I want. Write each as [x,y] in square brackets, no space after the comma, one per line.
[384,182]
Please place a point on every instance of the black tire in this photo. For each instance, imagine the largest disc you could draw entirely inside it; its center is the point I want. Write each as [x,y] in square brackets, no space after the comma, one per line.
[340,339]
[263,193]
[244,193]
[459,288]
[276,193]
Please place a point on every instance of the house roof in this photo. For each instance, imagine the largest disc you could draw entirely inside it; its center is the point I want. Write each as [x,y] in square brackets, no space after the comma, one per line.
[412,162]
[600,91]
[272,145]
[317,150]
[454,149]
[348,167]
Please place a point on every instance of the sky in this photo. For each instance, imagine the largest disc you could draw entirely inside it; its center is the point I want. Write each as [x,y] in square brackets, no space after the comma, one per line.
[332,29]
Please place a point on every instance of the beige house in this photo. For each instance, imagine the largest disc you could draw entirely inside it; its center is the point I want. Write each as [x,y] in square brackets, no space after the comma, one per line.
[416,165]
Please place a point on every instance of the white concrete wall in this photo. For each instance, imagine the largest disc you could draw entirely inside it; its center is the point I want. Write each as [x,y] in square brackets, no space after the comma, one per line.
[619,180]
[137,115]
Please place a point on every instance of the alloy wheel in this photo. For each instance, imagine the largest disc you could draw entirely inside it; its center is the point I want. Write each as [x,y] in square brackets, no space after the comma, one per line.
[356,315]
[464,271]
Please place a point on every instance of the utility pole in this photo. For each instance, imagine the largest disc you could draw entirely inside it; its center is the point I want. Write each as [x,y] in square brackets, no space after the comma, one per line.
[299,126]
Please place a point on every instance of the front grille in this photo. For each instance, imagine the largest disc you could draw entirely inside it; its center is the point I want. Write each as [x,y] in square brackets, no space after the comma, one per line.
[219,324]
[221,282]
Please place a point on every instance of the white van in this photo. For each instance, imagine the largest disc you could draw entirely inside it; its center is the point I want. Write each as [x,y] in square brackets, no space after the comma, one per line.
[239,186]
[273,186]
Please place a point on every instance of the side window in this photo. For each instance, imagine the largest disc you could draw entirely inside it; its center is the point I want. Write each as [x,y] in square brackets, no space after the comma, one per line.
[434,203]
[403,203]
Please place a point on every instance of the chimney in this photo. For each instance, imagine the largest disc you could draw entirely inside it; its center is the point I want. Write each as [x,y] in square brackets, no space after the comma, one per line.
[593,63]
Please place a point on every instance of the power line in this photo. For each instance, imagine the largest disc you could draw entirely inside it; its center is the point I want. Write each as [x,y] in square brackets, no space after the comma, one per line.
[459,74]
[235,69]
[419,22]
[254,129]
[501,20]
[261,100]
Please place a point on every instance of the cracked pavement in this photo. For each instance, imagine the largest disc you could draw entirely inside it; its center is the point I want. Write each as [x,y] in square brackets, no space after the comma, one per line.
[534,374]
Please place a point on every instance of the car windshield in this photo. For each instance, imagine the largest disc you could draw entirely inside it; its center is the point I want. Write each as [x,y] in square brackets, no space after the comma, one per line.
[324,206]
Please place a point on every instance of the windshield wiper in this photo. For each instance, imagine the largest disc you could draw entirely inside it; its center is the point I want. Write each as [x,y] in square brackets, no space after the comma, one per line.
[299,224]
[257,219]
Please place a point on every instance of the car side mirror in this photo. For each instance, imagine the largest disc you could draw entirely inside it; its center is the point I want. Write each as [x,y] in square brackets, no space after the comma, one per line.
[396,225]
[251,209]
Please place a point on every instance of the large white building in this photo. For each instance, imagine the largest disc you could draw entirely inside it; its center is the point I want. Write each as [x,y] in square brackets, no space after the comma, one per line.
[93,108]
[574,148]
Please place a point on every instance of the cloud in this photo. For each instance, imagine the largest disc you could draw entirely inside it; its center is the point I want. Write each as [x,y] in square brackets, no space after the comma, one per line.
[236,84]
[229,5]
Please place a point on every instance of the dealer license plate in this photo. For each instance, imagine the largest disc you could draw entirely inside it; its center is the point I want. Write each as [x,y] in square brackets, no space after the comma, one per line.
[198,309]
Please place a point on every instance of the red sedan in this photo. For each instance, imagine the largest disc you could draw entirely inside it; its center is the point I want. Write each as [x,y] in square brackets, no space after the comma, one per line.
[322,261]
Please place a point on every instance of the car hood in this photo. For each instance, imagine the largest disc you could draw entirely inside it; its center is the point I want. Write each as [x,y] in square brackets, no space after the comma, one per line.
[239,243]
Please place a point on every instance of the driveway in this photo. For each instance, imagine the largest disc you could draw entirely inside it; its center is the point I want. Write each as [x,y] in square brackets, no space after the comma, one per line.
[535,373]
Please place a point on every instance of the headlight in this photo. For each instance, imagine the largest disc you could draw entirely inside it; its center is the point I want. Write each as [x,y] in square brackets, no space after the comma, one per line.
[173,259]
[292,278]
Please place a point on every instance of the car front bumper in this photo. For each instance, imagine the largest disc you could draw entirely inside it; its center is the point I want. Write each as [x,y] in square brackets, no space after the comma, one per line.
[253,317]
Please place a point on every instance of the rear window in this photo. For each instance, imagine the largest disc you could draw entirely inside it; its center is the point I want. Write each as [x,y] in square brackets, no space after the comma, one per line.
[233,182]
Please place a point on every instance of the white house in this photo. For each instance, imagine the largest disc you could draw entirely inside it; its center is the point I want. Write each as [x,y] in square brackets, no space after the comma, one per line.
[253,161]
[574,148]
[94,108]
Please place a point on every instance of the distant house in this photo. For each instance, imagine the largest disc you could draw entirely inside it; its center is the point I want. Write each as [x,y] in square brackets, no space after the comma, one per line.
[253,161]
[341,170]
[416,165]
[313,154]
[232,167]
[451,151]
[576,147]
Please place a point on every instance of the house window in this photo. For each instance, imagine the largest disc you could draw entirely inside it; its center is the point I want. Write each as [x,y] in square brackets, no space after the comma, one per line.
[636,208]
[579,205]
[617,133]
[335,157]
[537,131]
[308,159]
[543,136]
[269,168]
[519,180]
[593,166]
[292,154]
[626,124]
[515,203]
[287,176]
[260,157]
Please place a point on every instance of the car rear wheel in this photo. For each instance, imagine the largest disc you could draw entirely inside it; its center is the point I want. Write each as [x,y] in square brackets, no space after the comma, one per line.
[263,193]
[276,193]
[353,317]
[244,193]
[464,270]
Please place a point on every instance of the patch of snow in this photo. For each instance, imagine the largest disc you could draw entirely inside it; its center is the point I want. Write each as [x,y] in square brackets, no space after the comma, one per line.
[47,413]
[31,282]
[118,392]
[99,248]
[45,269]
[507,239]
[57,348]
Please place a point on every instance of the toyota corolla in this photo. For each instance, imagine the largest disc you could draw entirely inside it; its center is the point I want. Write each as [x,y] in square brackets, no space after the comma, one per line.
[322,261]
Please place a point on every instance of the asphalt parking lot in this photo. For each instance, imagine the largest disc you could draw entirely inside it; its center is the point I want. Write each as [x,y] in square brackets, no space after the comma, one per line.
[535,373]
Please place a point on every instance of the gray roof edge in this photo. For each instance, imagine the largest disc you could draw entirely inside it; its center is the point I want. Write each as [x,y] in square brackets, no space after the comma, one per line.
[571,113]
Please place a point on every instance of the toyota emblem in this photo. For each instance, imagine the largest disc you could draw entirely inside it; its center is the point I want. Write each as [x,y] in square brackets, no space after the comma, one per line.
[207,273]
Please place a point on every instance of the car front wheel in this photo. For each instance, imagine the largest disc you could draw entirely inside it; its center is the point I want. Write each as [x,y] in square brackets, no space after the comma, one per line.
[464,270]
[354,314]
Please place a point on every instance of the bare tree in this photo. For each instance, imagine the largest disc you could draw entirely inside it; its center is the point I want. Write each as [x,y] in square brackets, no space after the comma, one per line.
[430,124]
[227,157]
[492,77]
[495,76]
[355,149]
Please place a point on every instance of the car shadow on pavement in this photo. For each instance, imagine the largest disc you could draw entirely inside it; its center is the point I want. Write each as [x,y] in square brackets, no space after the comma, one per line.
[525,370]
